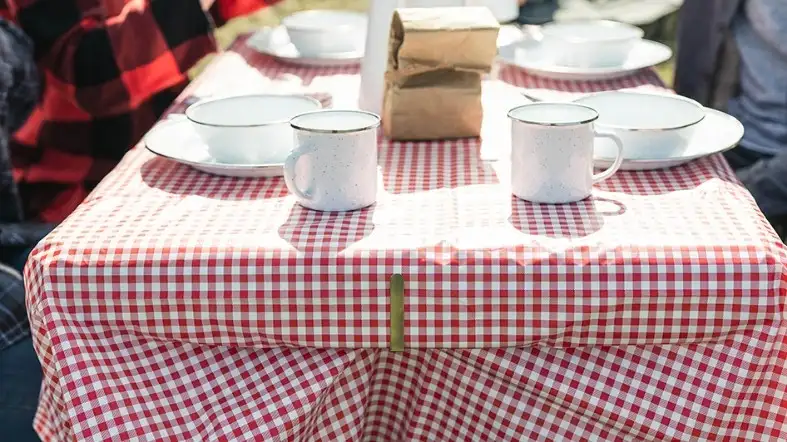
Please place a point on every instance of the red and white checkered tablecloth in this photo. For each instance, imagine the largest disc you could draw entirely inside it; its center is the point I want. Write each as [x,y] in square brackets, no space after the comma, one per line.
[175,305]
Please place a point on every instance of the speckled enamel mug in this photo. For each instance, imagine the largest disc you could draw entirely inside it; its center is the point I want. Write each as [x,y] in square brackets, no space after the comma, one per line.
[552,152]
[340,171]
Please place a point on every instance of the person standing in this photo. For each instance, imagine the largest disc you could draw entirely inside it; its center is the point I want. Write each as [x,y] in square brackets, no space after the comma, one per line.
[732,56]
[110,69]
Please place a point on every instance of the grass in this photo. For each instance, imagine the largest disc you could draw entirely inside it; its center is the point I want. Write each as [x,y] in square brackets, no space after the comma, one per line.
[666,71]
[273,15]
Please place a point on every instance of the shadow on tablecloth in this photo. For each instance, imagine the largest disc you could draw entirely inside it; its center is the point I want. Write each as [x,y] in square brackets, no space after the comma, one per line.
[573,220]
[178,179]
[329,232]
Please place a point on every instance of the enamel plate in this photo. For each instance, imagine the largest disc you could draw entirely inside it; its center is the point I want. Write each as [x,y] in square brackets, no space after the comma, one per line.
[276,43]
[716,133]
[177,141]
[528,55]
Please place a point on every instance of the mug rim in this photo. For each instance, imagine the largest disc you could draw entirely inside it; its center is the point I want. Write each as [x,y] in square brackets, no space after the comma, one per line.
[560,124]
[336,131]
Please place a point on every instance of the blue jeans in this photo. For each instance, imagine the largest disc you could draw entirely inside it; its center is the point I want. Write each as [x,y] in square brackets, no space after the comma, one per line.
[15,256]
[765,176]
[537,12]
[20,384]
[741,158]
[20,374]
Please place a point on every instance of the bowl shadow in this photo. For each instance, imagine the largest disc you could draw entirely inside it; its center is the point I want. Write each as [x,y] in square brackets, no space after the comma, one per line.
[179,179]
[686,177]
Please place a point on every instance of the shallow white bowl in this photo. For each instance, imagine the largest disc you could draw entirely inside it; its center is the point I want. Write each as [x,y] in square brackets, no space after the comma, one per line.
[249,129]
[319,32]
[650,125]
[590,43]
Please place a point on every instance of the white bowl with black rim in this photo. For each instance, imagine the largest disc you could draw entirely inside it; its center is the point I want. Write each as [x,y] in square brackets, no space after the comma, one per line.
[650,125]
[249,129]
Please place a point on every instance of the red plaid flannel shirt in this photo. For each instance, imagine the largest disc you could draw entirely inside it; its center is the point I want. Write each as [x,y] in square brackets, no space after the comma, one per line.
[109,68]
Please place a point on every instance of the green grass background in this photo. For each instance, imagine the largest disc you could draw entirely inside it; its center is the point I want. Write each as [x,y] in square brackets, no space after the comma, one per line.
[664,30]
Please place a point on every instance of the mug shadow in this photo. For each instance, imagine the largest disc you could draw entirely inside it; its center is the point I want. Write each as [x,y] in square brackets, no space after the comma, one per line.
[570,221]
[179,179]
[607,206]
[312,231]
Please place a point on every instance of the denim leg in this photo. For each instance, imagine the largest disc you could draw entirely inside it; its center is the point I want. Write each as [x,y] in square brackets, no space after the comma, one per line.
[20,384]
[537,12]
[741,158]
[20,370]
[15,256]
[767,182]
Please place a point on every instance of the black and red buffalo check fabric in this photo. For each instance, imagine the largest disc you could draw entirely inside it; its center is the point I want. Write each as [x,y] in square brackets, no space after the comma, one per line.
[110,68]
[177,305]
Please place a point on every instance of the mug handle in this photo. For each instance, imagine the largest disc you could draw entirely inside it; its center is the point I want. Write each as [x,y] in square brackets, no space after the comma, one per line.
[289,171]
[599,177]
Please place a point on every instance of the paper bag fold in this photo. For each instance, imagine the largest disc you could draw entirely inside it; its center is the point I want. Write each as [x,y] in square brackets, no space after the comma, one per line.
[436,58]
[426,39]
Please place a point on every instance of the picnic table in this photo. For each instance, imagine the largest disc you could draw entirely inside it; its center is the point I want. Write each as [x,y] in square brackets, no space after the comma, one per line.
[177,305]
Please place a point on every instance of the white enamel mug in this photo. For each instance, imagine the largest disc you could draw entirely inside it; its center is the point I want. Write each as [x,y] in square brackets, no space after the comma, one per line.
[552,152]
[339,147]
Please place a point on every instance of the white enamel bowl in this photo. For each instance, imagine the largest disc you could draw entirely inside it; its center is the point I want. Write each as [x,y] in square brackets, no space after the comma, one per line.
[249,129]
[650,125]
[590,43]
[324,32]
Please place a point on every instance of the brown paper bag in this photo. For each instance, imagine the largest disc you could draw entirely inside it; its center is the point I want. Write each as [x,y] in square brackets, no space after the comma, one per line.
[434,105]
[436,58]
[428,39]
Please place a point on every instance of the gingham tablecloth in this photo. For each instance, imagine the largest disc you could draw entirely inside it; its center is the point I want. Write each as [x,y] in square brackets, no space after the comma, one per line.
[176,305]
